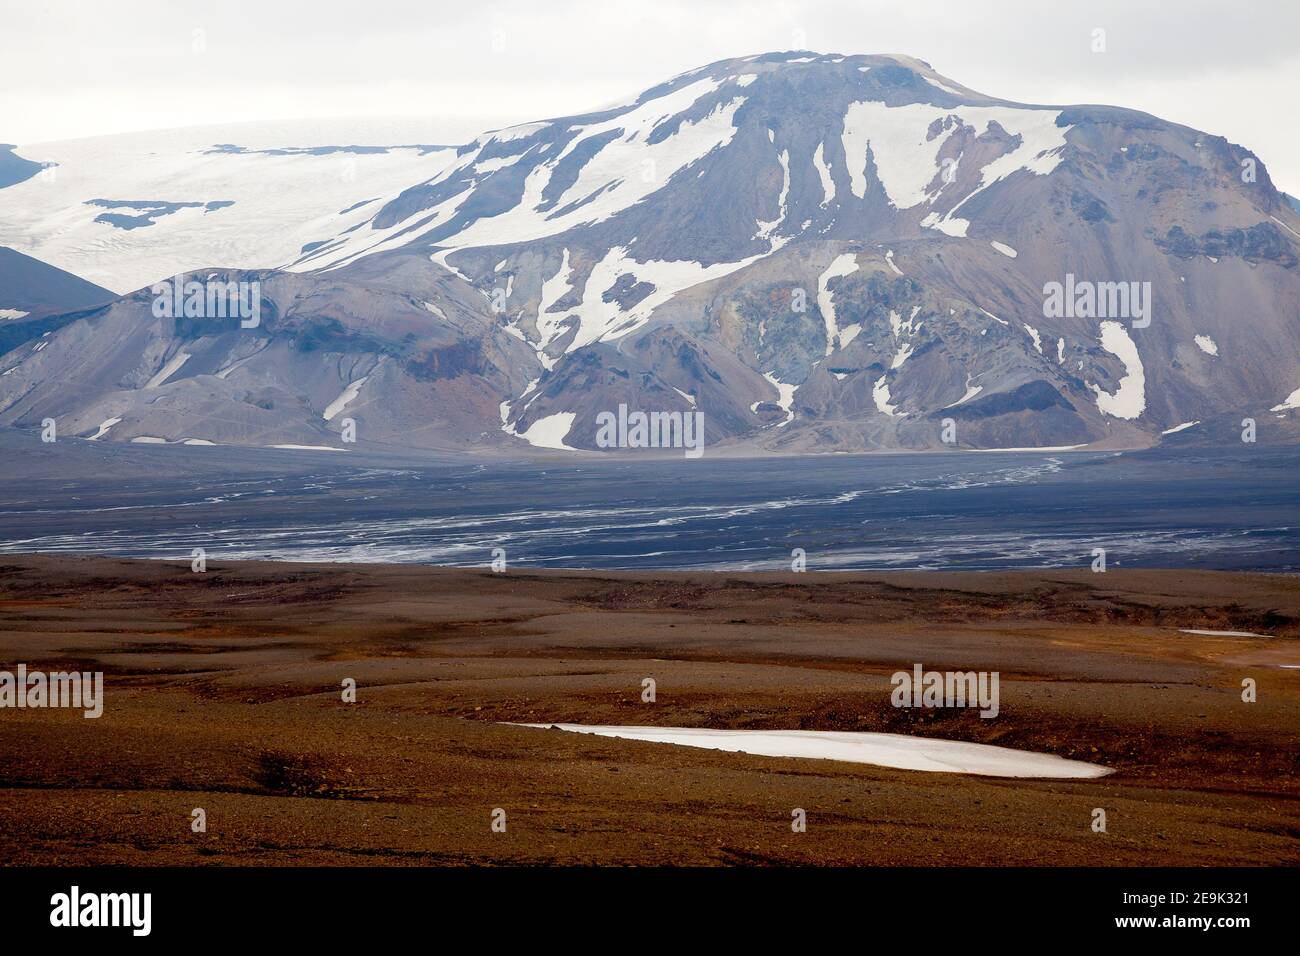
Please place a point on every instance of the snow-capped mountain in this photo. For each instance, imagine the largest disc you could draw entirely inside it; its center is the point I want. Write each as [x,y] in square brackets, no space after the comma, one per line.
[817,252]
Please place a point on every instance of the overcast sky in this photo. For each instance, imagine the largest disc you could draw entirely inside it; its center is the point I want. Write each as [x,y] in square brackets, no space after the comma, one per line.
[74,69]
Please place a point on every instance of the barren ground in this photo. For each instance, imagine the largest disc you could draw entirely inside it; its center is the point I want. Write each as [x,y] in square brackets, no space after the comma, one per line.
[223,692]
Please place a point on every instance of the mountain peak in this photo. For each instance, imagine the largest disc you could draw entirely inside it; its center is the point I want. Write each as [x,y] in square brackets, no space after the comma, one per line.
[897,73]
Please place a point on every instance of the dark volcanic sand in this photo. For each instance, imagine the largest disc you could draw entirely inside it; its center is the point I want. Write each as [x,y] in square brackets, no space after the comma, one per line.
[223,693]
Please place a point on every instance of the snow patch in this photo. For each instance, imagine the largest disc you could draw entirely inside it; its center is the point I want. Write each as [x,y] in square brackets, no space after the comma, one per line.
[168,370]
[907,161]
[1292,401]
[880,394]
[765,228]
[843,265]
[785,397]
[346,396]
[952,227]
[971,392]
[486,166]
[104,426]
[904,353]
[1036,449]
[824,174]
[898,751]
[937,84]
[515,132]
[1285,226]
[600,320]
[549,325]
[550,432]
[899,327]
[1129,399]
[849,333]
[1033,334]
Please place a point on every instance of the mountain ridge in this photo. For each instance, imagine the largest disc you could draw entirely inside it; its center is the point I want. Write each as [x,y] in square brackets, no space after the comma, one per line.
[820,252]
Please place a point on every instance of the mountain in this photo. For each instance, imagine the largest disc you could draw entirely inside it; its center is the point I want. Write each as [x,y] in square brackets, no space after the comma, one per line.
[15,169]
[34,287]
[819,253]
[432,374]
[35,296]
